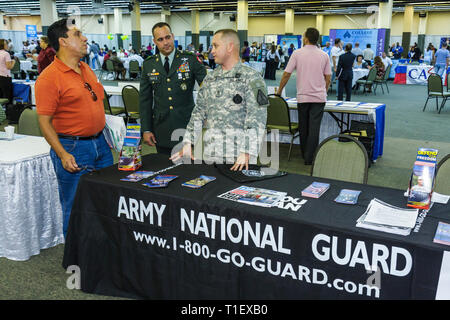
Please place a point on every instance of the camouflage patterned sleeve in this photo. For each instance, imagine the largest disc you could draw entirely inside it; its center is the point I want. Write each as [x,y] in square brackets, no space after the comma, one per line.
[256,116]
[198,115]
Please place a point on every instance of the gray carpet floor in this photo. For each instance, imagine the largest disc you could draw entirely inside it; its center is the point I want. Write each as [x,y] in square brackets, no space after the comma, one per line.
[407,128]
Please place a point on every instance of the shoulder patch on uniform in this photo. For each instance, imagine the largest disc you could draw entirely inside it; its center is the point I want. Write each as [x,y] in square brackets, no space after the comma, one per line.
[261,98]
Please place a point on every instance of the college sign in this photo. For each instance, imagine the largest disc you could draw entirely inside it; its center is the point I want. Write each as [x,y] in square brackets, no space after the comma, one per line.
[418,74]
[374,37]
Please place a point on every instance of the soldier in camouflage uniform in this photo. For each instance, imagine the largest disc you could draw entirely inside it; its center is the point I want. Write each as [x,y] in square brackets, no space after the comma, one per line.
[231,106]
[166,99]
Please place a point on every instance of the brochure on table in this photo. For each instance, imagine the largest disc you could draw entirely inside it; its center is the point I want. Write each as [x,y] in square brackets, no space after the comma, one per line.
[130,155]
[422,179]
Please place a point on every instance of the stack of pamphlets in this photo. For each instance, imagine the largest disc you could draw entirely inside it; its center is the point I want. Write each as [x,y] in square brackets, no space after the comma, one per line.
[442,234]
[160,181]
[254,196]
[130,156]
[198,182]
[137,176]
[422,179]
[347,196]
[384,217]
[315,189]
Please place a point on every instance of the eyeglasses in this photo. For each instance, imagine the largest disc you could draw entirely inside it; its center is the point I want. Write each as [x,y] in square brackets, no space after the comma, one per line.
[93,95]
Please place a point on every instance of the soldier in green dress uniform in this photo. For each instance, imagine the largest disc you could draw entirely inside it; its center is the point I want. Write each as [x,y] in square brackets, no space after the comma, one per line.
[166,90]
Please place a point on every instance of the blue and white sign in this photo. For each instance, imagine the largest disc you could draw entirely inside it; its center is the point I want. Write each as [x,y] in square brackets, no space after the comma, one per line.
[417,74]
[374,37]
[31,31]
[295,40]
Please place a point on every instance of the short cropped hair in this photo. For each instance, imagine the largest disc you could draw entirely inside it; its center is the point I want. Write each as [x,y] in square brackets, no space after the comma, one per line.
[45,39]
[313,35]
[2,44]
[348,47]
[57,30]
[230,34]
[337,40]
[160,25]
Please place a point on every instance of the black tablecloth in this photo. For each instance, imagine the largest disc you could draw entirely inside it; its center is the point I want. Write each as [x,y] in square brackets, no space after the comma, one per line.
[205,247]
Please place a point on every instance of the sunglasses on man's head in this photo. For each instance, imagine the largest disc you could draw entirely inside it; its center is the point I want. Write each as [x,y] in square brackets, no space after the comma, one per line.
[93,95]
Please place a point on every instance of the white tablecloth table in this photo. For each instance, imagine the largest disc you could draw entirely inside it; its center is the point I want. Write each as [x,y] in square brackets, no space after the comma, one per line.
[329,126]
[25,65]
[358,74]
[30,212]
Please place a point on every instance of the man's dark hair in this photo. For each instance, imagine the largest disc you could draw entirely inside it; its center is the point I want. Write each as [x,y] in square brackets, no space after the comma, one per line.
[313,35]
[368,45]
[57,30]
[348,47]
[160,25]
[337,40]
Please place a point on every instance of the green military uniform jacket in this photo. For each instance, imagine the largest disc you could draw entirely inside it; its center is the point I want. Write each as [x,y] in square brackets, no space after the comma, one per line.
[166,100]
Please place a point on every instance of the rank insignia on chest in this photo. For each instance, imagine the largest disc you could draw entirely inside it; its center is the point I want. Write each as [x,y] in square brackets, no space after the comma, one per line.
[183,86]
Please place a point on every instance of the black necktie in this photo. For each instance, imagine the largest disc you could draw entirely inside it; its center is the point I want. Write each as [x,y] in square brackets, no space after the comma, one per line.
[166,65]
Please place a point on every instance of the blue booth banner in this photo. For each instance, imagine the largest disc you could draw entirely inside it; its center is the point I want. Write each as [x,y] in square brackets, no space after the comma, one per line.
[296,40]
[31,31]
[374,37]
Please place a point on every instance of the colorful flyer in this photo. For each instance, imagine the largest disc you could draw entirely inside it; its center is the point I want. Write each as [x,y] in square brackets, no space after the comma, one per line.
[137,176]
[422,179]
[160,181]
[198,182]
[348,196]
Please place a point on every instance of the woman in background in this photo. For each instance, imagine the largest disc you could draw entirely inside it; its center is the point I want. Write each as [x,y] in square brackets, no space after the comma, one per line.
[46,56]
[379,66]
[6,64]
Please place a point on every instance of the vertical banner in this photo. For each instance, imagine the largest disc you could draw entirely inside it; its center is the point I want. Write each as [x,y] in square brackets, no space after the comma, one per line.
[374,37]
[296,40]
[31,31]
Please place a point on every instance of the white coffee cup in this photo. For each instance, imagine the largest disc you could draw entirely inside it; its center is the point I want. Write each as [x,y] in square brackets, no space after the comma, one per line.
[10,132]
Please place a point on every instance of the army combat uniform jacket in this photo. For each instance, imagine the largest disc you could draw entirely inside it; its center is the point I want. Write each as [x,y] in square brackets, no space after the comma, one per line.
[232,107]
[166,100]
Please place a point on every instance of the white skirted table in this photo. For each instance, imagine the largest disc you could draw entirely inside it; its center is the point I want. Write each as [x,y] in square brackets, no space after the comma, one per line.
[30,211]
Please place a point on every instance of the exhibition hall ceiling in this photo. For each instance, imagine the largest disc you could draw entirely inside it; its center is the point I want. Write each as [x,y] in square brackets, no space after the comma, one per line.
[255,7]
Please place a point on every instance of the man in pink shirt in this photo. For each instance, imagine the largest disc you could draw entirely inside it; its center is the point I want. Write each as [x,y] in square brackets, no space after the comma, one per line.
[313,79]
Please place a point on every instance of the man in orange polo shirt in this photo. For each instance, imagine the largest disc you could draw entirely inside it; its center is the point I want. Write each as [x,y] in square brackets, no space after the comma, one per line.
[69,102]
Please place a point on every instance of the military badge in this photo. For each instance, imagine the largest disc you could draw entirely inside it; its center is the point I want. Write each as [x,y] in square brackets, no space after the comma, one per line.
[183,86]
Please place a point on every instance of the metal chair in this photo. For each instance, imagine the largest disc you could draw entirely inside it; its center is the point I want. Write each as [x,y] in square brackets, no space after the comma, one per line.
[384,80]
[134,68]
[341,157]
[130,98]
[435,90]
[111,110]
[29,123]
[442,184]
[110,67]
[278,118]
[370,79]
[16,69]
